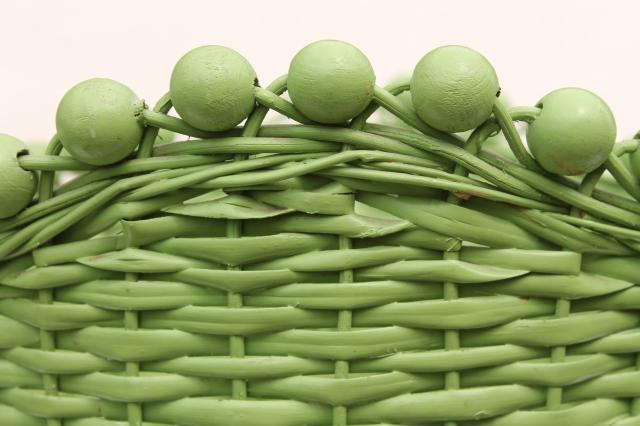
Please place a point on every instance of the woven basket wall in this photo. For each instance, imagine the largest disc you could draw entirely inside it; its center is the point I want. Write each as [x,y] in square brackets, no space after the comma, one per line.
[308,275]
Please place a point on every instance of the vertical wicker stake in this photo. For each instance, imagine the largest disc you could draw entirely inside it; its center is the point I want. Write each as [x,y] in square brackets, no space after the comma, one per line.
[236,343]
[562,306]
[451,337]
[635,403]
[47,296]
[131,317]
[234,230]
[345,93]
[340,413]
[132,368]
[450,292]
[386,98]
[344,324]
[234,300]
[634,146]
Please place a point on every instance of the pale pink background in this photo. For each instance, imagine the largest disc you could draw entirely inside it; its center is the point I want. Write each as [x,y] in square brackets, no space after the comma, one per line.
[536,46]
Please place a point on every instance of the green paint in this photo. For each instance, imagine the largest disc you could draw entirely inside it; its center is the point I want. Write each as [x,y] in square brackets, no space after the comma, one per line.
[330,81]
[203,282]
[97,121]
[212,88]
[17,186]
[453,88]
[574,133]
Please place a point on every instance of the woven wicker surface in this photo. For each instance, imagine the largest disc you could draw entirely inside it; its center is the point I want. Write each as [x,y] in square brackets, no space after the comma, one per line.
[353,277]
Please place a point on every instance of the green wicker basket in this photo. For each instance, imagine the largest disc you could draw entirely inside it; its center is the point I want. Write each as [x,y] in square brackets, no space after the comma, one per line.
[310,274]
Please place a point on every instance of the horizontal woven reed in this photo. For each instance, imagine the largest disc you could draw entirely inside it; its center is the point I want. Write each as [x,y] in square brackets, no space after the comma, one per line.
[308,275]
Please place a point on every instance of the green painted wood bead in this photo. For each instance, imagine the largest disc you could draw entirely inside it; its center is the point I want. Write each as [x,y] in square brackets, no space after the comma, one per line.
[97,121]
[574,133]
[453,88]
[212,88]
[330,81]
[17,185]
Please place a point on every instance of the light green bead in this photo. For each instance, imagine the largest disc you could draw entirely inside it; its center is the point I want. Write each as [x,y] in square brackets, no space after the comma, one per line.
[574,133]
[97,121]
[17,185]
[453,88]
[330,81]
[212,88]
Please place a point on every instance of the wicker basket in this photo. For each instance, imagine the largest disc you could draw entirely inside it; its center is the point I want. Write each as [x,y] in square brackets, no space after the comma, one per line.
[317,275]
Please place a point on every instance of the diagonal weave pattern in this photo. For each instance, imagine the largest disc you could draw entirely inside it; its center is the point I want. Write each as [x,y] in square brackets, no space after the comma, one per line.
[351,277]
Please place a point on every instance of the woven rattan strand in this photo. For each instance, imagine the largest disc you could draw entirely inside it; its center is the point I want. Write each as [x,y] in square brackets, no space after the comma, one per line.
[315,275]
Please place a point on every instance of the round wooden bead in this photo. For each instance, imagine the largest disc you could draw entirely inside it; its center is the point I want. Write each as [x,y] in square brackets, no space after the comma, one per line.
[212,88]
[330,81]
[453,88]
[17,186]
[574,133]
[97,121]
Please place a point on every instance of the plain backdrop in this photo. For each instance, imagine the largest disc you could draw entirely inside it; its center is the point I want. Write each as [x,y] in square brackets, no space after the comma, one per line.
[48,46]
